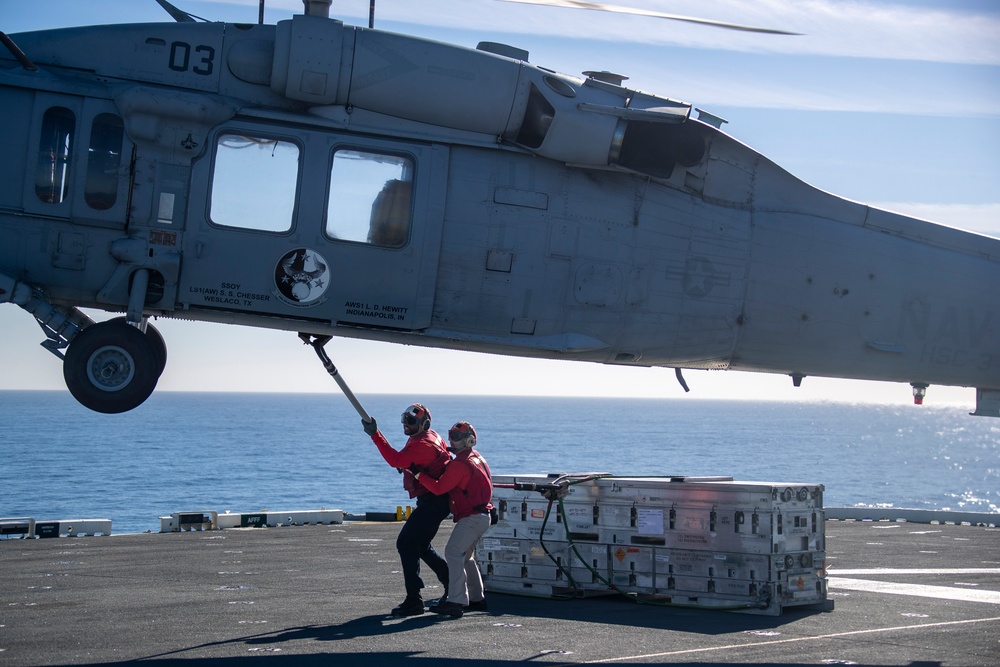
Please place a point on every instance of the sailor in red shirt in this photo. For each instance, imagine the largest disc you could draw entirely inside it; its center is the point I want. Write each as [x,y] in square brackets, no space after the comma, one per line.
[467,482]
[424,452]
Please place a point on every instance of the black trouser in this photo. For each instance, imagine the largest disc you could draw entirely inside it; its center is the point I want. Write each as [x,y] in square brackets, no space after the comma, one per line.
[414,542]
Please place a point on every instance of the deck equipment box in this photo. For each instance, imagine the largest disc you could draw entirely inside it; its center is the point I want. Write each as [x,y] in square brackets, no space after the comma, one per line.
[707,542]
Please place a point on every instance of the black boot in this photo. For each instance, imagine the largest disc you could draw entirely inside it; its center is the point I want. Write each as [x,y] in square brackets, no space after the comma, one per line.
[452,609]
[443,598]
[413,605]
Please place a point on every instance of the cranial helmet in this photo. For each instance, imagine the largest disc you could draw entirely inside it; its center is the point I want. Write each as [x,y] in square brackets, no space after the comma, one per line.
[416,415]
[461,436]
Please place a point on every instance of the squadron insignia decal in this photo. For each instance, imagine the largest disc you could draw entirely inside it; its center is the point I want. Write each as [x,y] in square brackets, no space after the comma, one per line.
[301,277]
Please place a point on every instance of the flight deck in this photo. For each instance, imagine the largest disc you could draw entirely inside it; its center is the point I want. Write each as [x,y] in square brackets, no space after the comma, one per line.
[905,594]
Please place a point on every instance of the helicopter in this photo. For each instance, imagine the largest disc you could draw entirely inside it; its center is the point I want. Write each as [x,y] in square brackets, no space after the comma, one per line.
[332,180]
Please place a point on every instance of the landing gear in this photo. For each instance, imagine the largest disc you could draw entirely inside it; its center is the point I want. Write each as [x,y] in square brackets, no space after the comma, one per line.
[156,340]
[112,367]
[159,348]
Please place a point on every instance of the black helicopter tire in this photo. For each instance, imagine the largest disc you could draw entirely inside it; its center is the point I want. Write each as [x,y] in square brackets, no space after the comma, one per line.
[159,345]
[110,367]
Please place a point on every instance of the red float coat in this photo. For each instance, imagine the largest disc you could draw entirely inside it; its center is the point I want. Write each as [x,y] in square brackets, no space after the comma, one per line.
[424,452]
[467,482]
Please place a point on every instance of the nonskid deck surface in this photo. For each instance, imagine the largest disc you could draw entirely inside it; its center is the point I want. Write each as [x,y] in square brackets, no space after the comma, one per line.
[904,593]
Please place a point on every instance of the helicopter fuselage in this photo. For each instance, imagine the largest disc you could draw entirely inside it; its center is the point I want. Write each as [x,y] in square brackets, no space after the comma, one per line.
[321,178]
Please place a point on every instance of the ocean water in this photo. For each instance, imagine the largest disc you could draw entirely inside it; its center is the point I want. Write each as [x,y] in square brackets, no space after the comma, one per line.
[250,452]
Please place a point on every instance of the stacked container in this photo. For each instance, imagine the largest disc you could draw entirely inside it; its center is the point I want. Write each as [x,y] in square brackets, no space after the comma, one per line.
[695,541]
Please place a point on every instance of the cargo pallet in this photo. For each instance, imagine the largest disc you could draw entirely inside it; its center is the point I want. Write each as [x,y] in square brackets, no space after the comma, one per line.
[703,542]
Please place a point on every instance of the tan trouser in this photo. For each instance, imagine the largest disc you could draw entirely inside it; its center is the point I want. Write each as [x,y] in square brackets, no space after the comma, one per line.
[464,580]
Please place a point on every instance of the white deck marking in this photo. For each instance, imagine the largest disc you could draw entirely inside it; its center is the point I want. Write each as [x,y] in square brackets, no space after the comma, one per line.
[921,590]
[731,647]
[836,572]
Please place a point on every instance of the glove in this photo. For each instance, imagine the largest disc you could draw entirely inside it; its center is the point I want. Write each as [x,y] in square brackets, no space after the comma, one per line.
[371,428]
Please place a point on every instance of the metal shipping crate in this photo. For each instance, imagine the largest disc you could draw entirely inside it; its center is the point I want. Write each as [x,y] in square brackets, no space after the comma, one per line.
[708,542]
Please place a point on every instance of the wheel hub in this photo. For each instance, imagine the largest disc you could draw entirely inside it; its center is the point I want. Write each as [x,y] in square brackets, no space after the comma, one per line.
[110,368]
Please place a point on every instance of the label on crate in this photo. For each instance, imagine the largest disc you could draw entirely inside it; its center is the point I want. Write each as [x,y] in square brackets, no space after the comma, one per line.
[691,539]
[498,545]
[580,517]
[650,522]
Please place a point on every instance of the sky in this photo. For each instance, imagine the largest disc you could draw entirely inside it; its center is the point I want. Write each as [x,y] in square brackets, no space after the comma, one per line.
[894,104]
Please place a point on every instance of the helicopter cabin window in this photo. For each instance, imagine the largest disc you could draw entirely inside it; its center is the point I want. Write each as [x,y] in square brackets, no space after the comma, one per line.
[55,150]
[103,160]
[371,196]
[254,183]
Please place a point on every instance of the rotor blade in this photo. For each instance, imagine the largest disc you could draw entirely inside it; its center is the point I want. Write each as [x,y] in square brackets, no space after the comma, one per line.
[601,7]
[178,15]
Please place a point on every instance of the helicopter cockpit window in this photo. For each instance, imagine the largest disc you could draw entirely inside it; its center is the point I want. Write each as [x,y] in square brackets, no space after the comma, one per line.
[254,183]
[55,150]
[103,160]
[371,196]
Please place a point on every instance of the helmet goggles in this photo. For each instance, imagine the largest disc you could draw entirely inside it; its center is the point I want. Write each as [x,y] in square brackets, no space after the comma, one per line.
[415,414]
[462,431]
